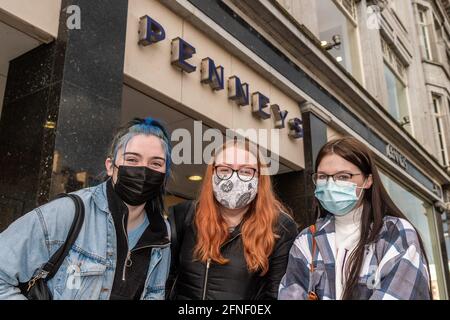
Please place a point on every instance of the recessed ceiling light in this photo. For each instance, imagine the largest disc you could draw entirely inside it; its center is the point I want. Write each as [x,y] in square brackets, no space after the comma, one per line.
[339,59]
[195,178]
[50,125]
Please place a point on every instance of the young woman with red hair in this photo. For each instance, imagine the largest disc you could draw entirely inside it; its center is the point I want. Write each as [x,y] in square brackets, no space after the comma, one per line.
[233,243]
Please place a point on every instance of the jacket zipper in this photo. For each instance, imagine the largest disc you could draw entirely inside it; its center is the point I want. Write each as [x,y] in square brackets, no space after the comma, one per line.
[128,261]
[208,265]
[205,283]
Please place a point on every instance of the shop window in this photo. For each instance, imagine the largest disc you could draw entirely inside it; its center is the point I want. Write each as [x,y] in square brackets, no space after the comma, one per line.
[446,228]
[338,18]
[440,129]
[420,213]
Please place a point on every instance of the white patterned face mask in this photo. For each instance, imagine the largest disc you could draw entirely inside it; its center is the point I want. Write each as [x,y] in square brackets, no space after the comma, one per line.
[234,193]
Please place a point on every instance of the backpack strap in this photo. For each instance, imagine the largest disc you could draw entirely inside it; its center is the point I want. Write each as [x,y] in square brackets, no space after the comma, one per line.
[56,260]
[311,294]
[312,229]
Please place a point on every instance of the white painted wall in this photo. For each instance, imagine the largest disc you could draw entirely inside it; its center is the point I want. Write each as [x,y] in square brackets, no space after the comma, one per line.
[149,70]
[333,134]
[24,25]
[304,11]
[36,16]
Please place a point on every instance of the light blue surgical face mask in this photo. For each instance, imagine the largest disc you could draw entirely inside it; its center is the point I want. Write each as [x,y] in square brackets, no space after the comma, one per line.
[338,199]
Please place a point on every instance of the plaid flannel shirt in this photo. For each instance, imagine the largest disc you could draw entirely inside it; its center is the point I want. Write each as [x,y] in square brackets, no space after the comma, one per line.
[394,267]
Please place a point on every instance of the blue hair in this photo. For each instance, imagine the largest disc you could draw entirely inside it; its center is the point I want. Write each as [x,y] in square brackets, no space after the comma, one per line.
[148,127]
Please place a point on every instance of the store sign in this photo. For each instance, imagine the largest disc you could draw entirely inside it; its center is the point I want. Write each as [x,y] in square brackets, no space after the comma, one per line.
[150,32]
[396,156]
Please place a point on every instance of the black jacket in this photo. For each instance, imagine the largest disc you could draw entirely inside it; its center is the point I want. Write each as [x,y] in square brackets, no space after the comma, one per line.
[191,279]
[135,271]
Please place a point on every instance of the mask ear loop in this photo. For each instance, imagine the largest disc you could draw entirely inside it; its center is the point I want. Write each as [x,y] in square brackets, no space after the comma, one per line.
[363,188]
[115,167]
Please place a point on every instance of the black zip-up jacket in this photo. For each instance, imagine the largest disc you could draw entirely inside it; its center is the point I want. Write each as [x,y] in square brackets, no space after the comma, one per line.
[191,279]
[132,264]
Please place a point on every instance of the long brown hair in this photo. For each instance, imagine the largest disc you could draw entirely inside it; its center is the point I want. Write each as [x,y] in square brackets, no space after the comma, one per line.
[377,204]
[258,226]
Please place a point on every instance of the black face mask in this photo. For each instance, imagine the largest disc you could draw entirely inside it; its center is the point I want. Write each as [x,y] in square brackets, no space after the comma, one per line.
[137,185]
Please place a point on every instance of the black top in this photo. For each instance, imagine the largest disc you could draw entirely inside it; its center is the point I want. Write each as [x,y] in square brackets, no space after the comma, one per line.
[190,279]
[135,273]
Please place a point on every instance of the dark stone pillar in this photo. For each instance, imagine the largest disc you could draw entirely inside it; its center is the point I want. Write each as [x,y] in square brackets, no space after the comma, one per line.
[296,189]
[62,103]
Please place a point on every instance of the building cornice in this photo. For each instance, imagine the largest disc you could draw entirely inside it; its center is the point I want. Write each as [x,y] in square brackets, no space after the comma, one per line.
[322,63]
[300,43]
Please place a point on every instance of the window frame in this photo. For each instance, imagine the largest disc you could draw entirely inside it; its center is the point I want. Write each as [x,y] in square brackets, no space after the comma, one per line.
[394,62]
[354,44]
[440,127]
[407,107]
[352,14]
[424,32]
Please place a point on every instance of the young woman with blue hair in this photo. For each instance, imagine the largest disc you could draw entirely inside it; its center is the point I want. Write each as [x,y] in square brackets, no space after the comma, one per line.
[122,251]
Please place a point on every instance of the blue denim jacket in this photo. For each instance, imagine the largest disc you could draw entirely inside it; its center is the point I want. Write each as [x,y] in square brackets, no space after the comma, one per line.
[88,271]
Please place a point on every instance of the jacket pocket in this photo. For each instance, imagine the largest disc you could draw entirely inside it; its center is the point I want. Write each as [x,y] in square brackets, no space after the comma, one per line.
[79,278]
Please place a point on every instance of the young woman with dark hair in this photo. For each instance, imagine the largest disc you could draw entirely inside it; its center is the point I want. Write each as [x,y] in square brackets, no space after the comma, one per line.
[361,246]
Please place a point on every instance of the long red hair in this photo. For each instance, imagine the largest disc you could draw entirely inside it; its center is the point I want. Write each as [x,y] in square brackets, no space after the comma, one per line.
[258,226]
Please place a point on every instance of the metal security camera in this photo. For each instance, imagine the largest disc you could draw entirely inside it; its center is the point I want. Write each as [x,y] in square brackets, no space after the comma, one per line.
[336,43]
[405,120]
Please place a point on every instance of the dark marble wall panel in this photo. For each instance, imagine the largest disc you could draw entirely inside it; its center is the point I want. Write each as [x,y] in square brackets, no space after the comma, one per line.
[62,104]
[296,189]
[22,128]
